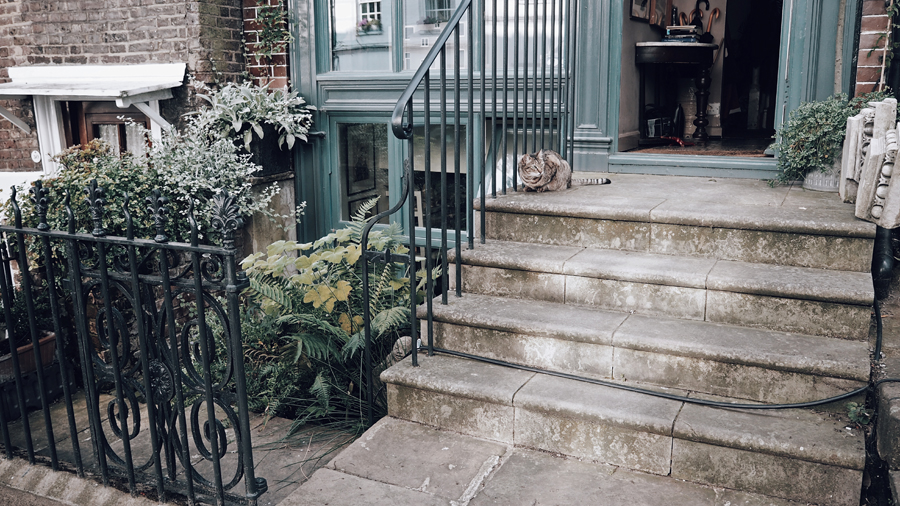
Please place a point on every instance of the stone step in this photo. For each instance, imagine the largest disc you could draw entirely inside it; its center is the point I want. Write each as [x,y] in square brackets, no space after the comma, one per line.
[797,455]
[785,298]
[736,220]
[738,362]
[440,467]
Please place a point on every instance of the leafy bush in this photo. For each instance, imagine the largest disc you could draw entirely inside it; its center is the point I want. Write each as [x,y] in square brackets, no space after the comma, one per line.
[117,174]
[314,292]
[814,134]
[20,329]
[241,110]
[195,163]
[274,382]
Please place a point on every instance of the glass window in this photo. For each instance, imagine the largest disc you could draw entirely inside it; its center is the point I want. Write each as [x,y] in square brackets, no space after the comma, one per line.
[363,159]
[361,36]
[120,128]
[434,175]
[439,11]
[424,21]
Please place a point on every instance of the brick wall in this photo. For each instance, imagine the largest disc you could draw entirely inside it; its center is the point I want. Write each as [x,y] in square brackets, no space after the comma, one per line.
[204,34]
[873,42]
[277,71]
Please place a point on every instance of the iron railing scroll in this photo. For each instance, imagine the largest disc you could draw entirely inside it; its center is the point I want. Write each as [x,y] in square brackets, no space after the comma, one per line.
[531,100]
[153,327]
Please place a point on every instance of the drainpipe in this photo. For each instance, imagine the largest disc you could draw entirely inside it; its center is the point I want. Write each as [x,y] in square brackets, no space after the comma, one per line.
[882,270]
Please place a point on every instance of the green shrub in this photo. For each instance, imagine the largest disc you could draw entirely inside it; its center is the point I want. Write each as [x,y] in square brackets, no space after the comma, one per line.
[813,136]
[314,292]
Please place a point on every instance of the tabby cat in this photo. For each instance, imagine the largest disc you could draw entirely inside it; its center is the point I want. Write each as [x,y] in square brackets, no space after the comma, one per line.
[546,170]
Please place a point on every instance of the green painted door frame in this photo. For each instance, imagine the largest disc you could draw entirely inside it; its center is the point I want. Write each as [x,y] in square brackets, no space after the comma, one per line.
[807,71]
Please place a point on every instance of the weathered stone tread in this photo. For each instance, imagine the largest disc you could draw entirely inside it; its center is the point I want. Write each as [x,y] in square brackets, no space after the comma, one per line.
[799,435]
[618,202]
[804,283]
[837,358]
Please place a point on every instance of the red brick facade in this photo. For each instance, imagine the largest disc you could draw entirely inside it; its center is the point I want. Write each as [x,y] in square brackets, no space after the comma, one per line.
[874,41]
[277,72]
[204,34]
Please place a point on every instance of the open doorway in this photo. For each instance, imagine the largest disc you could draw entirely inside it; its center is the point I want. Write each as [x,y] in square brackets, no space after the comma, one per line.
[743,77]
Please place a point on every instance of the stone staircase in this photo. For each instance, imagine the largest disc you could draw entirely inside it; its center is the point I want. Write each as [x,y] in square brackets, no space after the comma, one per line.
[711,289]
[701,298]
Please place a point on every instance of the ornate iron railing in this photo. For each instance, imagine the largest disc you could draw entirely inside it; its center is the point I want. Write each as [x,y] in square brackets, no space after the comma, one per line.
[153,327]
[521,84]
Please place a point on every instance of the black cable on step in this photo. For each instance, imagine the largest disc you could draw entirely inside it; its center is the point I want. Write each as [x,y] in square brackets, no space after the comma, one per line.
[702,402]
[691,400]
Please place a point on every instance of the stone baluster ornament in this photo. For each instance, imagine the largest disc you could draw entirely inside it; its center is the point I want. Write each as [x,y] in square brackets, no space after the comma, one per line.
[853,157]
[879,191]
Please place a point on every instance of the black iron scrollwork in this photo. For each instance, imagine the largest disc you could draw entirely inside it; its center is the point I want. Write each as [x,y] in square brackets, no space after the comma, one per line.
[161,381]
[226,218]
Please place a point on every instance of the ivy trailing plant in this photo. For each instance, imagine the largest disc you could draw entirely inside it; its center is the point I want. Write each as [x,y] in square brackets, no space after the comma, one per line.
[314,293]
[813,136]
[272,35]
[890,45]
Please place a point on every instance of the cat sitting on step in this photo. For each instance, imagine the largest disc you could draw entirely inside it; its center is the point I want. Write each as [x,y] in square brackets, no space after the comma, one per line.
[546,170]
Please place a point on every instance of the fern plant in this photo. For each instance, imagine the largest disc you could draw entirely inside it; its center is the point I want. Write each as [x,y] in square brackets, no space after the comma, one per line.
[314,292]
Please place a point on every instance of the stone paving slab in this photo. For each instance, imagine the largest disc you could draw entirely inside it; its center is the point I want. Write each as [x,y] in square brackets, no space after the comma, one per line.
[518,255]
[639,267]
[333,488]
[748,346]
[63,486]
[740,204]
[421,458]
[566,481]
[507,476]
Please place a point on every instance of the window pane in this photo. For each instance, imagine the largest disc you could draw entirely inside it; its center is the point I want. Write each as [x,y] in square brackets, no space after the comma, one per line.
[546,19]
[363,158]
[109,134]
[423,22]
[435,175]
[361,35]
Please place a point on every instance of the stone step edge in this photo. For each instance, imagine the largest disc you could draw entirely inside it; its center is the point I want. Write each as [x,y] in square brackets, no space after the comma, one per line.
[474,258]
[747,359]
[780,220]
[481,392]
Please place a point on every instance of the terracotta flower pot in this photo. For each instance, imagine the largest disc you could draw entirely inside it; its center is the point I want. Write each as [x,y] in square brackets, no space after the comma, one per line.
[26,357]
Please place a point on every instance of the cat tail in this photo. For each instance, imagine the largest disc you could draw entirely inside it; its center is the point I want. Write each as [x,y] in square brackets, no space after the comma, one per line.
[585,182]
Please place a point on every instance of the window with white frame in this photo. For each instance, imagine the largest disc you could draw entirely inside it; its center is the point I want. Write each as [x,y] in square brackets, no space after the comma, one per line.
[439,11]
[369,11]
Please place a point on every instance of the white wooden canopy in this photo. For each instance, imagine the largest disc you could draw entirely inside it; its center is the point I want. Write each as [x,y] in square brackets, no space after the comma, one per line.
[142,86]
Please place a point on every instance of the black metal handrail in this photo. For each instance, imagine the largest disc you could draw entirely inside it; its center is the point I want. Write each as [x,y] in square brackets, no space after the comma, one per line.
[532,100]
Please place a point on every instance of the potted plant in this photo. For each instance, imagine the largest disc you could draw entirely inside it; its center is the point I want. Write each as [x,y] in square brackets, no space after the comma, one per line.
[369,26]
[19,331]
[809,143]
[266,122]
